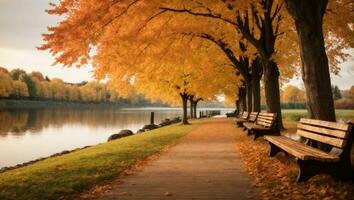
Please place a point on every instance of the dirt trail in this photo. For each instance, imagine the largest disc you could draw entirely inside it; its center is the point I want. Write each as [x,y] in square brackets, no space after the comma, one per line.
[204,165]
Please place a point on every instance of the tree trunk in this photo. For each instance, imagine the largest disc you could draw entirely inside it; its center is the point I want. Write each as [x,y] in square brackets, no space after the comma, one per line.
[243,99]
[271,88]
[194,104]
[238,107]
[184,98]
[256,90]
[256,86]
[191,112]
[249,95]
[308,16]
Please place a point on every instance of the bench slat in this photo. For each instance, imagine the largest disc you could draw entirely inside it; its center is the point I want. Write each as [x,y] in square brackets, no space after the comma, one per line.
[253,116]
[300,150]
[265,120]
[267,114]
[334,125]
[244,115]
[297,145]
[249,125]
[264,123]
[324,139]
[331,132]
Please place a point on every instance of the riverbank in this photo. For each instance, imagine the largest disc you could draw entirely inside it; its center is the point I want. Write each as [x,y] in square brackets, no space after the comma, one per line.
[75,172]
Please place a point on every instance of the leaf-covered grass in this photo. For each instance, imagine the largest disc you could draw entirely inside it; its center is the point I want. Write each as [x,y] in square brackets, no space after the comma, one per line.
[73,173]
[276,176]
[296,114]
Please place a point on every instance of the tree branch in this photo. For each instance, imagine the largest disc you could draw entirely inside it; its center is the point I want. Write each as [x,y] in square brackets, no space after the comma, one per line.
[207,14]
[229,53]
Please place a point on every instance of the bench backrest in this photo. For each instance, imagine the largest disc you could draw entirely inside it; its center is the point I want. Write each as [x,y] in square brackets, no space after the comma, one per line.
[266,119]
[244,115]
[332,133]
[253,116]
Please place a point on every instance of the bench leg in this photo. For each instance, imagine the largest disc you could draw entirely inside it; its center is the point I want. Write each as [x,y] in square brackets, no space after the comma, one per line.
[239,124]
[257,134]
[273,150]
[306,171]
[339,170]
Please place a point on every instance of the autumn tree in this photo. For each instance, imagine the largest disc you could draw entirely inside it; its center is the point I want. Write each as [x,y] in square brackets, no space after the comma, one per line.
[143,56]
[5,84]
[2,69]
[292,94]
[186,81]
[311,19]
[19,89]
[270,20]
[125,38]
[38,75]
[16,73]
[260,23]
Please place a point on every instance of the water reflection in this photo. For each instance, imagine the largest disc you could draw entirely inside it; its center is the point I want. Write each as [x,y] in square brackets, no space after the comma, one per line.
[33,121]
[29,134]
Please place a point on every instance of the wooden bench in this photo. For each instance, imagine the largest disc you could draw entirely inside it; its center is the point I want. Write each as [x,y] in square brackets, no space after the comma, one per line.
[311,160]
[264,125]
[232,114]
[242,119]
[251,119]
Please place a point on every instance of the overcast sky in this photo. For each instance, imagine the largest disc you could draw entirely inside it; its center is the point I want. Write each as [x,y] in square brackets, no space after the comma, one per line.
[23,21]
[21,24]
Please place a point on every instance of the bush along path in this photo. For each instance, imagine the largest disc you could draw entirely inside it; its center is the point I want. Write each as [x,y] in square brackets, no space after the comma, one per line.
[203,165]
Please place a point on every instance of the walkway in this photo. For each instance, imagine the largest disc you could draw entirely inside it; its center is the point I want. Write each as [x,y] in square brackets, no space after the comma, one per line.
[204,165]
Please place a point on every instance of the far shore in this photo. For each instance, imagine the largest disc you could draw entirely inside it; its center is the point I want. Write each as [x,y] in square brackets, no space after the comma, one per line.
[29,103]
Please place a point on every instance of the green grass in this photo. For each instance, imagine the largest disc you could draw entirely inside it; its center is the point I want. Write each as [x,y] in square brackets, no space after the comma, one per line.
[78,171]
[296,114]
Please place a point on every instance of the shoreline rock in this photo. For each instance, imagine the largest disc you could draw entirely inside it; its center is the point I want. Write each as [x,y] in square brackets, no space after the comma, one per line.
[121,134]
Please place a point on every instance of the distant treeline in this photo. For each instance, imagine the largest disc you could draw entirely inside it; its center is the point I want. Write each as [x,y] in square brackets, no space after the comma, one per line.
[293,97]
[17,84]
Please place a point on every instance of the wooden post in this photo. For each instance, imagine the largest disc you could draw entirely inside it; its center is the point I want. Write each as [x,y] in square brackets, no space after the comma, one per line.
[152,118]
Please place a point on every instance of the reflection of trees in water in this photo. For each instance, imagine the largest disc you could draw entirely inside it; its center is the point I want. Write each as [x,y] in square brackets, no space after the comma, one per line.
[17,122]
[14,122]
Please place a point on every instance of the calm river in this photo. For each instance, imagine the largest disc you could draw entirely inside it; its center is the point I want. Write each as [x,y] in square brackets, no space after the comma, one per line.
[30,134]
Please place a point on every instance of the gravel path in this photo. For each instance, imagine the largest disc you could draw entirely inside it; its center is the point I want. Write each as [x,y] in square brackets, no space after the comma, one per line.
[204,165]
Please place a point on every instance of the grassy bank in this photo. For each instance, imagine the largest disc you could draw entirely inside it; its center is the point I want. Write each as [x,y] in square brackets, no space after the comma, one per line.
[70,174]
[296,114]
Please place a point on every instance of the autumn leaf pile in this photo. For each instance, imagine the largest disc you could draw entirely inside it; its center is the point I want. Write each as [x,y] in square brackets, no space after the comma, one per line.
[276,176]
